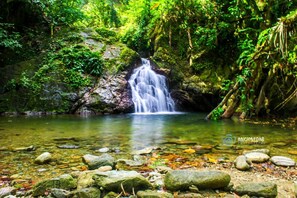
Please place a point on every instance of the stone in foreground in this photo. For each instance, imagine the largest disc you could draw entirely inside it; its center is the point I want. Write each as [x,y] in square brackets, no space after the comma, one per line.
[153,194]
[65,182]
[257,157]
[86,193]
[241,163]
[282,161]
[95,162]
[183,179]
[262,189]
[118,180]
[43,158]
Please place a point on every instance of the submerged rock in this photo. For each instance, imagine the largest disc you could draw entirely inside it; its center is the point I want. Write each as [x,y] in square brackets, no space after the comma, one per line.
[131,163]
[103,150]
[262,189]
[116,181]
[241,163]
[29,148]
[93,161]
[183,179]
[153,194]
[65,182]
[257,157]
[68,146]
[43,158]
[282,161]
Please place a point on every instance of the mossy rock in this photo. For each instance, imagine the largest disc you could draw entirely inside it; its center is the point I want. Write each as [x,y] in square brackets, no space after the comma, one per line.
[65,182]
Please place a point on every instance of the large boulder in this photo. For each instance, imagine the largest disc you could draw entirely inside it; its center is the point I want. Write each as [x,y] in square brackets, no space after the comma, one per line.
[66,182]
[183,179]
[263,189]
[95,162]
[116,181]
[110,95]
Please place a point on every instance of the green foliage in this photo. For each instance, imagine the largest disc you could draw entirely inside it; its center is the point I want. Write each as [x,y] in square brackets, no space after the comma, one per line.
[8,38]
[81,59]
[61,12]
[217,113]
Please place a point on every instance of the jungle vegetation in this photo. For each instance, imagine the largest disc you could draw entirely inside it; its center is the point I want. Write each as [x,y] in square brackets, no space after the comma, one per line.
[255,40]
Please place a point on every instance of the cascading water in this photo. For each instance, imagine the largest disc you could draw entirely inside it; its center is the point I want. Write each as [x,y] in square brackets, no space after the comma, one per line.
[149,90]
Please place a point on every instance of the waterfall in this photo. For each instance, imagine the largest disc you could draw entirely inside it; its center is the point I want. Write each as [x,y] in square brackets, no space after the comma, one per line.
[149,90]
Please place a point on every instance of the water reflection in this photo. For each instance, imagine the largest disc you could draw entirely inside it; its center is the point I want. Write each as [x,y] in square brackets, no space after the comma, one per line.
[144,134]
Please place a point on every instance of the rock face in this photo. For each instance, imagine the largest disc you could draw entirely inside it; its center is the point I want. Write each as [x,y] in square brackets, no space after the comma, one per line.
[94,161]
[257,157]
[43,158]
[110,95]
[116,180]
[183,179]
[282,161]
[264,189]
[65,182]
[241,163]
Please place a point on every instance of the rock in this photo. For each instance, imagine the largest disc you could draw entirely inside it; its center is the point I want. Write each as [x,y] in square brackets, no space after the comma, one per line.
[261,189]
[241,163]
[153,194]
[85,179]
[65,182]
[86,193]
[183,179]
[104,168]
[59,193]
[163,169]
[111,195]
[103,150]
[257,157]
[43,158]
[282,161]
[144,151]
[6,191]
[68,146]
[29,148]
[189,195]
[131,163]
[94,162]
[116,180]
[265,151]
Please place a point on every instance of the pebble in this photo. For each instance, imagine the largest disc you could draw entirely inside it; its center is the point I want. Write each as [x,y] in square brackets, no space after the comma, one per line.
[103,150]
[241,163]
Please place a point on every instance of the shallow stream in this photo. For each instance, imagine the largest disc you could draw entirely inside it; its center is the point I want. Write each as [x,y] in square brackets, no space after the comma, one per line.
[122,134]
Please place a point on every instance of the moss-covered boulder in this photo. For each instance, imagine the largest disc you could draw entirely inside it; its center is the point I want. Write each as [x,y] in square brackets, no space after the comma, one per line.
[261,189]
[116,181]
[66,182]
[183,179]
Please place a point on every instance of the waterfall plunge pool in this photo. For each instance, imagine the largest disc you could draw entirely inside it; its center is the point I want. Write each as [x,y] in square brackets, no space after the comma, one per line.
[172,133]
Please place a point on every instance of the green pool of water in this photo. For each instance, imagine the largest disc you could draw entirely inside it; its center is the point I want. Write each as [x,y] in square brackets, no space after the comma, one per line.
[125,133]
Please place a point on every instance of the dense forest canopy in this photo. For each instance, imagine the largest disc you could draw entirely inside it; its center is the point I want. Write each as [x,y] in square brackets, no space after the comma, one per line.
[253,41]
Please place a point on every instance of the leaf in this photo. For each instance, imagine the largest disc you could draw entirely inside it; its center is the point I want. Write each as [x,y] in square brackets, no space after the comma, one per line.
[189,151]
